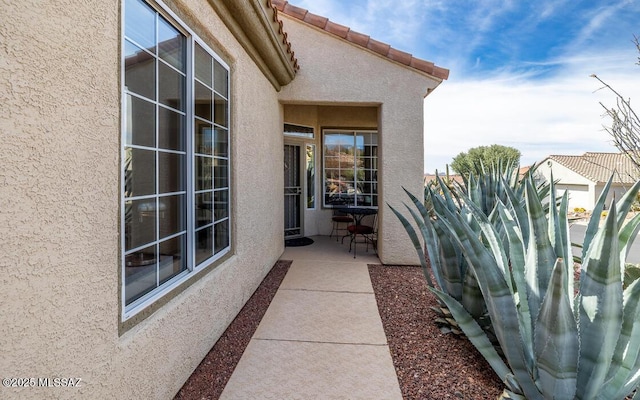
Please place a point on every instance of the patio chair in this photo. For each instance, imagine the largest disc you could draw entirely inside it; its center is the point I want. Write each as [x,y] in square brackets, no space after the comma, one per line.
[367,228]
[340,220]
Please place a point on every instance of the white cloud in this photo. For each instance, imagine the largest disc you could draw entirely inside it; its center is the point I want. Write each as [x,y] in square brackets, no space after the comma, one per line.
[559,115]
[540,100]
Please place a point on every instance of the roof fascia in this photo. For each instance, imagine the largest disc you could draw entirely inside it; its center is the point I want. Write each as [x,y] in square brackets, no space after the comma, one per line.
[261,36]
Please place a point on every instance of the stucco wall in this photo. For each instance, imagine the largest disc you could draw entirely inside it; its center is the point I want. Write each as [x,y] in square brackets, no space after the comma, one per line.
[336,72]
[59,206]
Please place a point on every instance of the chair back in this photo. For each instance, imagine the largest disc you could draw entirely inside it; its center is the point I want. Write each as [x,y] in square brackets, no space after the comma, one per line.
[336,204]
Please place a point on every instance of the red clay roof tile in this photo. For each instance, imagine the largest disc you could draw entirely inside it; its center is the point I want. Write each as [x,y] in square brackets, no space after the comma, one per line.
[316,20]
[283,34]
[378,47]
[399,56]
[337,29]
[360,39]
[289,9]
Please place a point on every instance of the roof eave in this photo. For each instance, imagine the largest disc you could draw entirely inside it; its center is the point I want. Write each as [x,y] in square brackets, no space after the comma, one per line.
[256,26]
[384,50]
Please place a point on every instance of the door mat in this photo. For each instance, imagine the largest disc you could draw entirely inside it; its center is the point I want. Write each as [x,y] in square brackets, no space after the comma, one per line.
[303,241]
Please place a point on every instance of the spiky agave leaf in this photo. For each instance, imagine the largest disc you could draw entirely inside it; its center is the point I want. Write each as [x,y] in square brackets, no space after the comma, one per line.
[556,339]
[416,243]
[626,202]
[448,195]
[516,205]
[620,378]
[627,235]
[499,301]
[600,308]
[442,254]
[450,266]
[477,336]
[447,262]
[517,251]
[432,243]
[559,233]
[540,256]
[594,221]
[631,274]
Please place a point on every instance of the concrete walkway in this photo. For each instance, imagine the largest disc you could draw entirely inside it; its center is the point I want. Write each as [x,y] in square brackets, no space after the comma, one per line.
[322,337]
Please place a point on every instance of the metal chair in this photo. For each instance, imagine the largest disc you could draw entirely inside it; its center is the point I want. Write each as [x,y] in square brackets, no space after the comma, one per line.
[339,218]
[365,226]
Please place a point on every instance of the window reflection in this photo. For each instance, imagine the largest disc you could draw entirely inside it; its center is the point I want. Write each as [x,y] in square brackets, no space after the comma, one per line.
[350,168]
[162,169]
[140,23]
[203,98]
[140,71]
[170,87]
[171,130]
[171,45]
[141,122]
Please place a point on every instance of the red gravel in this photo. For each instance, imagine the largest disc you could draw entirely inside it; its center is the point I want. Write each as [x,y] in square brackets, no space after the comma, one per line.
[213,373]
[429,364]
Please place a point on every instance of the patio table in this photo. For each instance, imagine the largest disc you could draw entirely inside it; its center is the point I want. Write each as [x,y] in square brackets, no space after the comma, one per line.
[358,213]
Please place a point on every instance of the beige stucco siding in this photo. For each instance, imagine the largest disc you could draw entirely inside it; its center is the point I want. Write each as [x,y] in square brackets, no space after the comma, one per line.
[336,72]
[59,206]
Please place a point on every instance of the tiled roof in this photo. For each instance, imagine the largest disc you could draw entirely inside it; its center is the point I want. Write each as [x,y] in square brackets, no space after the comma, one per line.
[283,35]
[599,167]
[359,39]
[428,178]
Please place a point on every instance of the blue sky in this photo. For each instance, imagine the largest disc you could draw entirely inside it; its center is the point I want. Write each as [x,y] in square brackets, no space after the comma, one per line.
[519,70]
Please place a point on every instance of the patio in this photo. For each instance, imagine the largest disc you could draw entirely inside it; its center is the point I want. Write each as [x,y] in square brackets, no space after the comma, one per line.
[321,336]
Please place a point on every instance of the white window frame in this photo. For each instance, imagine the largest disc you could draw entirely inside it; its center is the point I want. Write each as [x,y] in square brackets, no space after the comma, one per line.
[312,184]
[352,132]
[128,311]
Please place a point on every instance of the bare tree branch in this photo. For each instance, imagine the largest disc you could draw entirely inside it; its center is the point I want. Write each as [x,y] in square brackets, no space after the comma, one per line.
[625,124]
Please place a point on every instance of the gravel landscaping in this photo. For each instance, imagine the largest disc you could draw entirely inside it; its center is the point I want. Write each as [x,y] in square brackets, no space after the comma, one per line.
[429,363]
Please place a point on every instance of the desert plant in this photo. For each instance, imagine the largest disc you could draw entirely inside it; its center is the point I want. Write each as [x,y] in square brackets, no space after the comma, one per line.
[555,345]
[498,183]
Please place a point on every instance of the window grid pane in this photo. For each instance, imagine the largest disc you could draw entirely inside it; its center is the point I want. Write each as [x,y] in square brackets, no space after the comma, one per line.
[350,168]
[156,155]
[211,139]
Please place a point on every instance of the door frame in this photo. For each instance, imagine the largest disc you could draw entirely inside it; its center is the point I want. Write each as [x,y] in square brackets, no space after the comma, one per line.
[301,180]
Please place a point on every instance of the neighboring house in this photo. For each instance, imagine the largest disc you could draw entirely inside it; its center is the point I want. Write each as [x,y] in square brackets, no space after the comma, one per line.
[143,197]
[584,176]
[431,179]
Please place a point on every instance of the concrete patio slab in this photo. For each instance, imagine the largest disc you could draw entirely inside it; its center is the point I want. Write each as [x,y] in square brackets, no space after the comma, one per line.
[335,276]
[327,249]
[321,337]
[332,317]
[300,370]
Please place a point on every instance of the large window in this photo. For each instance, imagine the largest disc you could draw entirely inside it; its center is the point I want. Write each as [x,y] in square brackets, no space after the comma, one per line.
[350,168]
[175,155]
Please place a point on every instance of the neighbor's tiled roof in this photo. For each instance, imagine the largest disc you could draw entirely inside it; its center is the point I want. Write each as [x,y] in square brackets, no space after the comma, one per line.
[360,39]
[428,178]
[599,167]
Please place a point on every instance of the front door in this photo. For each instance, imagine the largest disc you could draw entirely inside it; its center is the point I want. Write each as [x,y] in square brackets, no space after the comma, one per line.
[293,208]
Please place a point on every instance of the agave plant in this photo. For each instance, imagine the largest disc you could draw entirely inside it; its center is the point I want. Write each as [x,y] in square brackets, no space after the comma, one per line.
[447,260]
[556,345]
